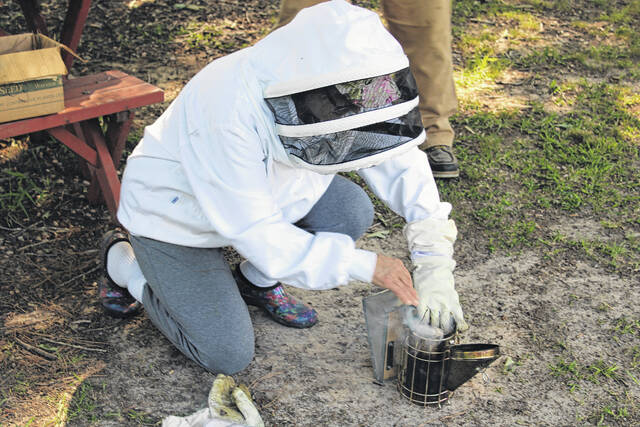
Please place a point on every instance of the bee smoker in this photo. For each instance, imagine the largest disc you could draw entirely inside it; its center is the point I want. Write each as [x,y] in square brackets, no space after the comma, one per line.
[427,368]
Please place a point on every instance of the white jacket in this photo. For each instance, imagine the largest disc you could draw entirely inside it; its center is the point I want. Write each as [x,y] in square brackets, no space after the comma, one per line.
[211,171]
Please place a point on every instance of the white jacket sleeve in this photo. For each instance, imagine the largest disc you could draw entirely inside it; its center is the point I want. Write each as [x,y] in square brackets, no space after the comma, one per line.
[406,185]
[227,172]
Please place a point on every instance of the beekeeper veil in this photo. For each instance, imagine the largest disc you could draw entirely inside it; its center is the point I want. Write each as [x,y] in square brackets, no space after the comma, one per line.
[340,90]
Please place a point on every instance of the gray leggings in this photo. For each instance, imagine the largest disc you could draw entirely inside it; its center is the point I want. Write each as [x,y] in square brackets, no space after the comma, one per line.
[191,295]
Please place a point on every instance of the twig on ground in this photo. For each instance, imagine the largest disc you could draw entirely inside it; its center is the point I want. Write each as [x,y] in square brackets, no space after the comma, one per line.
[81,274]
[42,242]
[79,347]
[78,341]
[40,255]
[274,400]
[269,375]
[36,350]
[519,83]
[447,417]
[9,229]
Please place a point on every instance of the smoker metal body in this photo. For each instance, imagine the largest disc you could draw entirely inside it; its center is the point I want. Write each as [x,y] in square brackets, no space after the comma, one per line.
[427,370]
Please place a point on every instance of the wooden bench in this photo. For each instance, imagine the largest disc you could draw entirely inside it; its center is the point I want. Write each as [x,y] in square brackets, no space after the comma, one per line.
[112,96]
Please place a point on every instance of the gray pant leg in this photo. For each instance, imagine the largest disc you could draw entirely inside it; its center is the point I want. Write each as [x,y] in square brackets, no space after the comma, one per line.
[344,208]
[193,299]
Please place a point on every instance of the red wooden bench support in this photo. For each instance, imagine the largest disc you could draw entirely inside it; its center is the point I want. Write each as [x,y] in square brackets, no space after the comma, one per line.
[105,171]
[74,21]
[111,95]
[76,144]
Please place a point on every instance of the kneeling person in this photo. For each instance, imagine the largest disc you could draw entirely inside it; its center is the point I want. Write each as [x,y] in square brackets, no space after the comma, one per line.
[246,156]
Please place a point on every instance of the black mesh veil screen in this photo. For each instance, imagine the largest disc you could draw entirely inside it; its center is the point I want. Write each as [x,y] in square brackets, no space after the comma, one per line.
[344,99]
[354,144]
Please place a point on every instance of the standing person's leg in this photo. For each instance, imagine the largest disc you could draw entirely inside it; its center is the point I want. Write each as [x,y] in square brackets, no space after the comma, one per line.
[423,28]
[290,8]
[192,298]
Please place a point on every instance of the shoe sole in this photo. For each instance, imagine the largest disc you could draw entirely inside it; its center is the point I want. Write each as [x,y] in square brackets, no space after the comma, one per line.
[452,174]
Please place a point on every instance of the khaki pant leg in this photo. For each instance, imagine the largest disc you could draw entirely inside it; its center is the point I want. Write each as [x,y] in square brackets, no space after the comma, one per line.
[290,8]
[423,28]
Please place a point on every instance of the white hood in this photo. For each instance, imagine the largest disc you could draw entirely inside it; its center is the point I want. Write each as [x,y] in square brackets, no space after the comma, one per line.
[326,45]
[332,42]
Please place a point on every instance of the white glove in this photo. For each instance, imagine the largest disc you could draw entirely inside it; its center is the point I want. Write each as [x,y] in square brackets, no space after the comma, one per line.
[230,405]
[431,245]
[225,397]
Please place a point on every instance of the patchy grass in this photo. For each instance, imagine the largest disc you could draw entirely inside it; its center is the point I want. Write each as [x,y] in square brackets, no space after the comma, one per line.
[582,161]
[83,405]
[22,193]
[607,378]
[573,150]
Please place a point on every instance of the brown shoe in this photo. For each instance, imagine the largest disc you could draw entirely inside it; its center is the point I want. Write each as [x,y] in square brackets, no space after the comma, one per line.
[442,161]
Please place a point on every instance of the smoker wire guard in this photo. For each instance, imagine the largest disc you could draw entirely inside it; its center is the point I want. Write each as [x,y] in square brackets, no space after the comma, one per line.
[457,362]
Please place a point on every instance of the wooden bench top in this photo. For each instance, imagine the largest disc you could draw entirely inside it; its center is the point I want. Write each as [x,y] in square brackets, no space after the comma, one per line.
[89,97]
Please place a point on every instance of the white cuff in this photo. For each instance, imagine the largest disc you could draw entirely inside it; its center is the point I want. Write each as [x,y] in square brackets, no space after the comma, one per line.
[254,276]
[363,265]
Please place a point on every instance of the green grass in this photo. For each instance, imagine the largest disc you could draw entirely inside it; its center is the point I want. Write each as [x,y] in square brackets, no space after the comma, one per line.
[626,326]
[20,194]
[83,405]
[577,374]
[466,11]
[199,35]
[609,413]
[518,164]
[610,381]
[140,418]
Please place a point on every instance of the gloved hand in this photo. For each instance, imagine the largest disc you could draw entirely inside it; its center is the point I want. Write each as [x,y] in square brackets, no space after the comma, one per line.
[225,397]
[431,245]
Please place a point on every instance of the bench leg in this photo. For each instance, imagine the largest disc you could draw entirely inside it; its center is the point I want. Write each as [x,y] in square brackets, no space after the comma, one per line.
[97,161]
[77,12]
[77,131]
[118,127]
[105,171]
[76,143]
[89,172]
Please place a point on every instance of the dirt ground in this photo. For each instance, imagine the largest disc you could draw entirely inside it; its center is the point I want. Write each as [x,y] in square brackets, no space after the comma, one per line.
[568,326]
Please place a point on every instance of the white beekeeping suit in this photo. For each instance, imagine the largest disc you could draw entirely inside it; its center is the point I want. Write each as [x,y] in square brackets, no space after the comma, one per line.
[253,140]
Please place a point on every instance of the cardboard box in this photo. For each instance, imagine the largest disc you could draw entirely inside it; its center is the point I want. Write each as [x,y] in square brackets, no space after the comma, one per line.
[31,71]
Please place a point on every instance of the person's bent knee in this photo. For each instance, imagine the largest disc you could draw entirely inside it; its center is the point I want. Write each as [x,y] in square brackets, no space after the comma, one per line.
[228,361]
[360,217]
[365,217]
